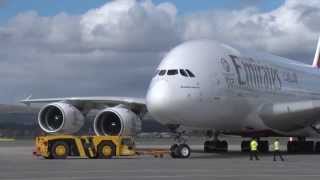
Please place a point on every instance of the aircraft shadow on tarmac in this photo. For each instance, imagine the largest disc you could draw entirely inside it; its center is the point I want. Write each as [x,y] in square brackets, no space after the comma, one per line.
[198,154]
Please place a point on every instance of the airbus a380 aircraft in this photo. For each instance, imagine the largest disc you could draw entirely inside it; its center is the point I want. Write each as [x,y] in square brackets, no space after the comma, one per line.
[209,86]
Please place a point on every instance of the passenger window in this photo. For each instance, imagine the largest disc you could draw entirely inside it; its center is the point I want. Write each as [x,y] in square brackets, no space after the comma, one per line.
[172,72]
[162,72]
[183,73]
[190,73]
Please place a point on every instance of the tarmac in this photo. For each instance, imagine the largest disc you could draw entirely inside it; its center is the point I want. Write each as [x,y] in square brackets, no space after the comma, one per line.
[17,162]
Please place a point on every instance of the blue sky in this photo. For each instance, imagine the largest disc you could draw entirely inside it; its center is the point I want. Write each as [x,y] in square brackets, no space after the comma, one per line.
[10,8]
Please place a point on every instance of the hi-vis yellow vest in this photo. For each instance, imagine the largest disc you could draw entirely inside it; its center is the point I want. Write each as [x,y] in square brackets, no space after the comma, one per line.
[276,145]
[253,145]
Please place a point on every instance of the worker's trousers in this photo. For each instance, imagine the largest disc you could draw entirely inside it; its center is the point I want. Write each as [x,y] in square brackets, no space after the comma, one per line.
[254,154]
[277,153]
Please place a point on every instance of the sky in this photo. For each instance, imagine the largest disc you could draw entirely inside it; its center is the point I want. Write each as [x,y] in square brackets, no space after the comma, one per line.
[10,8]
[51,48]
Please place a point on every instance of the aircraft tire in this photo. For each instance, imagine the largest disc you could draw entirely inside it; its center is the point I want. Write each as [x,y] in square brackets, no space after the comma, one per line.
[308,147]
[245,146]
[224,146]
[317,147]
[289,147]
[184,151]
[205,147]
[215,146]
[263,146]
[174,151]
[210,147]
[302,147]
[293,147]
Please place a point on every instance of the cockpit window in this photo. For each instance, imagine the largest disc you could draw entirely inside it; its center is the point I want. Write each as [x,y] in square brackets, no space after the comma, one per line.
[183,72]
[162,72]
[190,73]
[172,72]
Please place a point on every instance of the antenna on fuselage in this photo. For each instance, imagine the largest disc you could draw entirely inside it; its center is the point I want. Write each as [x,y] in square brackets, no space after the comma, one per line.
[316,60]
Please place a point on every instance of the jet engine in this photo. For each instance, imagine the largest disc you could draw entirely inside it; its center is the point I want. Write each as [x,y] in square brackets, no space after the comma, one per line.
[60,118]
[117,121]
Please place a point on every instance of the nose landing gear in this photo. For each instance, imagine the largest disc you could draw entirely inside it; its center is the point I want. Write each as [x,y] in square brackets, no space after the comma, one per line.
[181,149]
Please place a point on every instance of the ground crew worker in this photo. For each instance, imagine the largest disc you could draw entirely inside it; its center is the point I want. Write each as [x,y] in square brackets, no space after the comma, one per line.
[276,150]
[254,149]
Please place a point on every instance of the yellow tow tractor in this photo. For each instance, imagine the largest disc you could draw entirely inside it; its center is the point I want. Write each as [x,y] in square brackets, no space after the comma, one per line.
[102,147]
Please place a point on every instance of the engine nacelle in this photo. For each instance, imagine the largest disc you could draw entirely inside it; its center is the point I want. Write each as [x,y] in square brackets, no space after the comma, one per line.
[60,118]
[117,121]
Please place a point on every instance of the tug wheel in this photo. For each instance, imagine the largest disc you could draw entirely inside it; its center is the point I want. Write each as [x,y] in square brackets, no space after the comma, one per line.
[106,150]
[59,150]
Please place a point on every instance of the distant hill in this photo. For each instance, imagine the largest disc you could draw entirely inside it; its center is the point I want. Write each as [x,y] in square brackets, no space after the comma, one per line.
[16,114]
[17,109]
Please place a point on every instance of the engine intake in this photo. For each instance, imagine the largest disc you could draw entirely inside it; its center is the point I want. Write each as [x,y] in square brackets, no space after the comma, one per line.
[60,118]
[117,121]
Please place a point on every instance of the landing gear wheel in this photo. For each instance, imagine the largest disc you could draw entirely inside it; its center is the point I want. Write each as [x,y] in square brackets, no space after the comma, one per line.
[317,147]
[174,151]
[245,146]
[206,148]
[180,151]
[106,150]
[263,146]
[309,147]
[301,147]
[215,146]
[184,151]
[59,150]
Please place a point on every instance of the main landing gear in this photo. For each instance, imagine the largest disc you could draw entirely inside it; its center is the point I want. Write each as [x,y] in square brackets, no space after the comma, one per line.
[301,145]
[215,145]
[181,149]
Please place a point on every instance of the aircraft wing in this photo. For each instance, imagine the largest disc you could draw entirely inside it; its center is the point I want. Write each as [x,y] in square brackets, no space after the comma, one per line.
[136,104]
[290,116]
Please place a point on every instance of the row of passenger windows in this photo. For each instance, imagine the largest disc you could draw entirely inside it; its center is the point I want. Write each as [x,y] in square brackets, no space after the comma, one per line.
[171,72]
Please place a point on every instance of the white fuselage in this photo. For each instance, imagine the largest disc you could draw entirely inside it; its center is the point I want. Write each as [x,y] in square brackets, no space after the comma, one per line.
[229,87]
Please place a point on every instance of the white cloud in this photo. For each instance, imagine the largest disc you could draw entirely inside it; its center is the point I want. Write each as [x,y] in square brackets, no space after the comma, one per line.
[290,30]
[102,52]
[129,25]
[114,49]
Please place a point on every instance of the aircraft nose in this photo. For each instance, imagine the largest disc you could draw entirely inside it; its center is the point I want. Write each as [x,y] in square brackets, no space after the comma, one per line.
[158,99]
